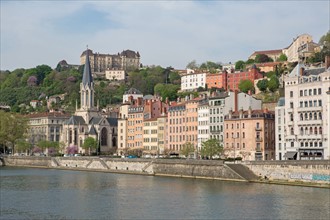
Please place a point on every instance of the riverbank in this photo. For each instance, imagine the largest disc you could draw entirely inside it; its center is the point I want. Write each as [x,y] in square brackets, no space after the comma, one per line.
[299,173]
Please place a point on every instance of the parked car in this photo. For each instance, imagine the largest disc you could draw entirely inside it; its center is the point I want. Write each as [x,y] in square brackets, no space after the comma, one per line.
[132,156]
[77,155]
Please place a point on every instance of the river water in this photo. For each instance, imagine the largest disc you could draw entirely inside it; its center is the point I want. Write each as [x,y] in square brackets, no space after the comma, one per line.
[28,193]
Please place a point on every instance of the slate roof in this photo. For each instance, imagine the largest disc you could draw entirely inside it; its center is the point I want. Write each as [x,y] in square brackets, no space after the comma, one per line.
[87,75]
[92,131]
[133,91]
[76,120]
[113,121]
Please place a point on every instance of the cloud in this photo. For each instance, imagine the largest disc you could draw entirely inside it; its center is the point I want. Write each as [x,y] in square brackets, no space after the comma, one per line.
[166,33]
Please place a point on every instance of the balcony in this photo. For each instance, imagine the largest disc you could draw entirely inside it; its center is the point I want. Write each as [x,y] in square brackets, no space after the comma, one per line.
[258,149]
[310,122]
[310,109]
[258,139]
[258,128]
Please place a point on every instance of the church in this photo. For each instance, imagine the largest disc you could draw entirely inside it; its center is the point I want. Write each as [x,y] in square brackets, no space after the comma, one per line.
[88,121]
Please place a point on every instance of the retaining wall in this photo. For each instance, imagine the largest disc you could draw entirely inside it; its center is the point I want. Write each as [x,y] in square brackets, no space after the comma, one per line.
[316,171]
[295,172]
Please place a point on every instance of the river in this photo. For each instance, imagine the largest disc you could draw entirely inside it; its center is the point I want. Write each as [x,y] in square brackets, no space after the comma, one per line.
[30,193]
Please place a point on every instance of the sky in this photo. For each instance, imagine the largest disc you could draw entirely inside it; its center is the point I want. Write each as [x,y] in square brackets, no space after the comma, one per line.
[166,33]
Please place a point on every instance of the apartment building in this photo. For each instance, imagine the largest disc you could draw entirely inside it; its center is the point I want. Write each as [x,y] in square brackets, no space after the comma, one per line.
[216,80]
[203,123]
[46,126]
[193,80]
[176,127]
[154,134]
[135,125]
[233,79]
[221,103]
[306,112]
[250,134]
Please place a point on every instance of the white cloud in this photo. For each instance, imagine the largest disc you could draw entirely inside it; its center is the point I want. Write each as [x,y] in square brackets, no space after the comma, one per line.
[165,33]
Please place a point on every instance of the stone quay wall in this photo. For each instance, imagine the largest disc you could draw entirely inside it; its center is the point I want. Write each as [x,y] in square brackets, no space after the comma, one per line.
[315,173]
[311,171]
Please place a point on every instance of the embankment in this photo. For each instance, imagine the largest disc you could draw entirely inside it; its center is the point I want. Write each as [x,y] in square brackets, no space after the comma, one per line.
[309,173]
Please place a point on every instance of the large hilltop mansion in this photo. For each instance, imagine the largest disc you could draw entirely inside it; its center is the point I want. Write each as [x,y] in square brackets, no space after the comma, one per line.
[296,128]
[112,65]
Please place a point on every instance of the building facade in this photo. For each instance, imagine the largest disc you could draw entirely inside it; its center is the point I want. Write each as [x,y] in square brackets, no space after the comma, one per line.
[250,134]
[292,51]
[306,112]
[126,60]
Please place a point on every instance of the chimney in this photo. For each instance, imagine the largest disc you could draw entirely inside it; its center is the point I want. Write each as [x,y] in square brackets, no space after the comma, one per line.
[265,110]
[139,101]
[166,100]
[327,62]
[235,100]
[191,97]
[249,112]
[301,71]
[241,113]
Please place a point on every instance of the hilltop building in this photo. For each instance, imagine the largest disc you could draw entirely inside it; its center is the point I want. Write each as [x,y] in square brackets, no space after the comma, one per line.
[126,60]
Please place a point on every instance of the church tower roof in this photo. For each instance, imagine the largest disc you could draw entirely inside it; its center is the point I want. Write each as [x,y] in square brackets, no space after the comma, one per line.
[87,76]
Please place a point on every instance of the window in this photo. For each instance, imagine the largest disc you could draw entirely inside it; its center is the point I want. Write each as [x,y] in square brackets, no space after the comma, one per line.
[320,91]
[301,93]
[291,104]
[291,93]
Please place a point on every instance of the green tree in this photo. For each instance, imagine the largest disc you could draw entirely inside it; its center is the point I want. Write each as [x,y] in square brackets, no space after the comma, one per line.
[13,127]
[192,65]
[262,85]
[282,58]
[273,83]
[44,144]
[250,61]
[187,148]
[246,85]
[90,144]
[167,91]
[239,65]
[22,145]
[174,78]
[211,148]
[263,58]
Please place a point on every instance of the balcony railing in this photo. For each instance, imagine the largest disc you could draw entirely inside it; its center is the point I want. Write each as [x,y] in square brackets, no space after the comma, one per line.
[258,139]
[258,128]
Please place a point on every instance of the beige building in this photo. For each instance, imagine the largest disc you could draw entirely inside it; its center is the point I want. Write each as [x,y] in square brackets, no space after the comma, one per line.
[154,135]
[46,126]
[115,74]
[274,54]
[250,135]
[292,51]
[126,60]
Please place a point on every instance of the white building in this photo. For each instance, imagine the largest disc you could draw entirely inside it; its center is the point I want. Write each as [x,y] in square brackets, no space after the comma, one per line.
[192,80]
[280,144]
[134,93]
[203,124]
[115,74]
[306,130]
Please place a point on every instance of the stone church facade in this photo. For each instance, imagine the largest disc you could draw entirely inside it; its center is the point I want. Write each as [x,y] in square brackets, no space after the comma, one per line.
[88,121]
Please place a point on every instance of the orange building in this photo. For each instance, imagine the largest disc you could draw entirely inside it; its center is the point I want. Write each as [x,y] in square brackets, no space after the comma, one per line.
[182,125]
[215,80]
[135,125]
[250,134]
